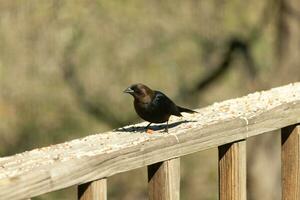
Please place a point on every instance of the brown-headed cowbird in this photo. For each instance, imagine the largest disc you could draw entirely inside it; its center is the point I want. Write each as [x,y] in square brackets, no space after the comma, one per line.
[154,106]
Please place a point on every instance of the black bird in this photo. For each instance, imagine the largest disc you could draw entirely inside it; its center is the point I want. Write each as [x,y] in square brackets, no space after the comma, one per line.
[154,106]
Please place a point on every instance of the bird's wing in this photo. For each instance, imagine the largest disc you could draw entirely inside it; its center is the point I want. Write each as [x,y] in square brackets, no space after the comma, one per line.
[165,104]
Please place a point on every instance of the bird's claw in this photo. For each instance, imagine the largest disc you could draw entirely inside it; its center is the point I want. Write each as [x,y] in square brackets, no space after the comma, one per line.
[164,131]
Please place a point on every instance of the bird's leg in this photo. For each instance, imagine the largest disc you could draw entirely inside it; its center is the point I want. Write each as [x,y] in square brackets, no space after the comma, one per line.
[167,127]
[148,126]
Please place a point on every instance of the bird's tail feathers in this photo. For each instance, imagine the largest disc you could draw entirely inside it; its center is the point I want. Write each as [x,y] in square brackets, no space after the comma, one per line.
[181,109]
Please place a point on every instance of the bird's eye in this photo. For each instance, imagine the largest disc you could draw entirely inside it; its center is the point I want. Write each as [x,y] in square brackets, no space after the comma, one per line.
[138,91]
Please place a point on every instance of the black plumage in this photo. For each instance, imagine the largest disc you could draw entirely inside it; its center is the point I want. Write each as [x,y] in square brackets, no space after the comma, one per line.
[154,106]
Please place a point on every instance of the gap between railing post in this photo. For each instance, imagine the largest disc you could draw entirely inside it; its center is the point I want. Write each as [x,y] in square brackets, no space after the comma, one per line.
[290,162]
[95,190]
[232,171]
[164,180]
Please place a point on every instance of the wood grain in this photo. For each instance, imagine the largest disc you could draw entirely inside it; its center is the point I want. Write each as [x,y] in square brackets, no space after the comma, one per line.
[164,180]
[102,155]
[232,171]
[95,190]
[290,161]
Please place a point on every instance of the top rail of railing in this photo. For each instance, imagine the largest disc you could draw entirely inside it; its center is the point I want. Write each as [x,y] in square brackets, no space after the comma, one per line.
[46,169]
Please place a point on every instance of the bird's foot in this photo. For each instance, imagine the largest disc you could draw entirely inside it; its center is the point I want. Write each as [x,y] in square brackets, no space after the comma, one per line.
[166,130]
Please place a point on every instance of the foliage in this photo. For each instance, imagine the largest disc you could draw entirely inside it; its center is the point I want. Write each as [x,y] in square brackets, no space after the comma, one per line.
[64,65]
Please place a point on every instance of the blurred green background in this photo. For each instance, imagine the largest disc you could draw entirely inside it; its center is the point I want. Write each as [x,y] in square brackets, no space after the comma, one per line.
[64,65]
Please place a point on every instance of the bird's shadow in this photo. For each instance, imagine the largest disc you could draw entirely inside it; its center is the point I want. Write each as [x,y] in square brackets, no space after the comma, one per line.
[152,127]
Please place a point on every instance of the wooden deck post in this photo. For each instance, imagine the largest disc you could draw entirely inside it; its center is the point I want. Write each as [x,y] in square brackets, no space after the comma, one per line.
[290,162]
[95,190]
[164,180]
[232,171]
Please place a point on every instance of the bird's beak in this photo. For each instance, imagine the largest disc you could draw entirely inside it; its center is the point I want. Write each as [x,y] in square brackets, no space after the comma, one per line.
[129,91]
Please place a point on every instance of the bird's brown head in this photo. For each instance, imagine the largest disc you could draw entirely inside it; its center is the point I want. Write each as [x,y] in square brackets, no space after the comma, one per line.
[140,92]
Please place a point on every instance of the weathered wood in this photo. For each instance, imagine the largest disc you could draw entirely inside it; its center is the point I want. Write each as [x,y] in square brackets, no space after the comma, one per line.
[164,180]
[95,190]
[290,161]
[232,171]
[98,156]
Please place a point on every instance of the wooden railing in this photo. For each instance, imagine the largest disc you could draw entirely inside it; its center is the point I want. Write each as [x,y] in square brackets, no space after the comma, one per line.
[89,161]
